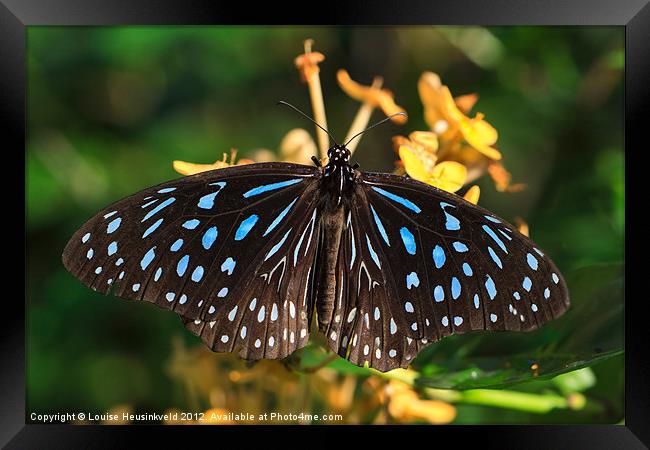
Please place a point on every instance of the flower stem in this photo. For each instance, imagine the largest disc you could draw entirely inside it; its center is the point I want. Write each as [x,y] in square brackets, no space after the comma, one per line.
[498,398]
[317,105]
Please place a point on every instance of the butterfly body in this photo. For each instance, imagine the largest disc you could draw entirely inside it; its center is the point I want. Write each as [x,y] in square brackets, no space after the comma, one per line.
[246,254]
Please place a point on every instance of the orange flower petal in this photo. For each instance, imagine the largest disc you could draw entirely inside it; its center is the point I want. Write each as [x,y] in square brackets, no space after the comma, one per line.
[466,102]
[381,98]
[502,177]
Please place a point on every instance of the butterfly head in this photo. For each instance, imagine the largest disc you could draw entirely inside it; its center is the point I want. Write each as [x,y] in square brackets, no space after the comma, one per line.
[339,155]
[339,174]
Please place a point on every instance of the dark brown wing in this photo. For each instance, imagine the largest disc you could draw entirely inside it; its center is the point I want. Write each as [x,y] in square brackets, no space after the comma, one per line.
[206,246]
[417,264]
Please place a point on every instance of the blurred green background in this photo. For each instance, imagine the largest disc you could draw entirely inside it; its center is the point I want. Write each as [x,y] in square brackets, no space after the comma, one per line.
[110,108]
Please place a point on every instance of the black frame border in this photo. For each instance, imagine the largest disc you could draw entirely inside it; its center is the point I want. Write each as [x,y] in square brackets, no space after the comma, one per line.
[634,15]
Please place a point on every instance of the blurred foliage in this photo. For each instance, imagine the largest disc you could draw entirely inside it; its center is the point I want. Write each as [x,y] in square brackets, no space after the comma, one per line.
[109,109]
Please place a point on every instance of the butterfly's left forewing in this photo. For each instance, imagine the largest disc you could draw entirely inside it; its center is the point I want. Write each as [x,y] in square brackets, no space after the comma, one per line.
[232,248]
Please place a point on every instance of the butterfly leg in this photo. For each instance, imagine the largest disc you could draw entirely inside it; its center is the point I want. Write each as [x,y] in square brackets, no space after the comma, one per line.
[316,161]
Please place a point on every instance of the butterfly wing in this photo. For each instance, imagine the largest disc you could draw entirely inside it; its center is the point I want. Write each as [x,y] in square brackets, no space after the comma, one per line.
[439,265]
[206,245]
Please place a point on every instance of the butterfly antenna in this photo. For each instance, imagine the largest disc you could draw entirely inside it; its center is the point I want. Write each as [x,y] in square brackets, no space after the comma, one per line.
[307,117]
[401,113]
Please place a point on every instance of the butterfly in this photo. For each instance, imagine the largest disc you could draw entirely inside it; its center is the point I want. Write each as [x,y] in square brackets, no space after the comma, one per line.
[250,256]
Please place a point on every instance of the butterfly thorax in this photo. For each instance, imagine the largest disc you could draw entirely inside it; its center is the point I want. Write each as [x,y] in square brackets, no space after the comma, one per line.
[338,175]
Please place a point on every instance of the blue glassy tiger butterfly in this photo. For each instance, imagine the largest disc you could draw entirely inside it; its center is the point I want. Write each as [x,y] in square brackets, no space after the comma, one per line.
[245,255]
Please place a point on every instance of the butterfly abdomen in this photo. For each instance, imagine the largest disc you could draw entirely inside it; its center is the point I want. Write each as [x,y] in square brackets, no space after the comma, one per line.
[332,224]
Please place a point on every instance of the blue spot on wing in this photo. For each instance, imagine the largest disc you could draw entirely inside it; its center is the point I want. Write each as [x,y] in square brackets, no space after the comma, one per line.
[176,245]
[245,227]
[532,261]
[228,265]
[281,216]
[277,246]
[159,208]
[149,203]
[439,294]
[380,226]
[412,279]
[152,228]
[455,288]
[147,258]
[452,223]
[181,267]
[113,225]
[439,257]
[209,237]
[495,258]
[491,288]
[207,201]
[408,239]
[197,274]
[373,254]
[396,198]
[496,239]
[460,247]
[271,187]
[191,224]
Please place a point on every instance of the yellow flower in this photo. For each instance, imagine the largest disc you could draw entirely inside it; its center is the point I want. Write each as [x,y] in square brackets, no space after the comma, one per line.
[443,115]
[405,406]
[423,144]
[472,195]
[447,175]
[188,168]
